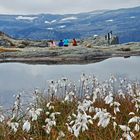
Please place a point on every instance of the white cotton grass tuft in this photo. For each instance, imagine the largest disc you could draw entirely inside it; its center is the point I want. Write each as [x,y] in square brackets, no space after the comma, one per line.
[79,121]
[34,113]
[69,96]
[13,125]
[127,132]
[51,119]
[135,120]
[61,135]
[109,99]
[26,126]
[124,128]
[2,118]
[104,117]
[131,113]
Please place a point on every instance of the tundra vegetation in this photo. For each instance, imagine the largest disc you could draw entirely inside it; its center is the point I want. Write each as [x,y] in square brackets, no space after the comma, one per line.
[83,110]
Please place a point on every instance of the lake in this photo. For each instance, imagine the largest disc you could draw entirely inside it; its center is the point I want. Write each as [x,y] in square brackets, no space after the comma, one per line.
[18,77]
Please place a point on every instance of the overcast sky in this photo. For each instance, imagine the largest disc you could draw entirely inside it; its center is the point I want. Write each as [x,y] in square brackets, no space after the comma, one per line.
[61,6]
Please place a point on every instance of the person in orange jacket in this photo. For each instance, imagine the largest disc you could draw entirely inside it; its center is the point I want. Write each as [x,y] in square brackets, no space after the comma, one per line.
[74,42]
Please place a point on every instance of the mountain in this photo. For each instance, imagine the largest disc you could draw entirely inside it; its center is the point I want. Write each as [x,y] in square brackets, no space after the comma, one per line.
[125,23]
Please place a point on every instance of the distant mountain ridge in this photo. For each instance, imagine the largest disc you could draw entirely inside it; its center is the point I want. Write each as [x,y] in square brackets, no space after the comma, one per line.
[124,23]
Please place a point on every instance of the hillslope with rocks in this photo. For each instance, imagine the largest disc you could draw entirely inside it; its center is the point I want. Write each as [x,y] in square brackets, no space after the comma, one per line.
[89,50]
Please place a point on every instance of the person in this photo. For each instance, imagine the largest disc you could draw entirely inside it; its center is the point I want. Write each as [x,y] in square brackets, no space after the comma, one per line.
[105,37]
[66,42]
[108,36]
[74,42]
[52,43]
[60,44]
[110,33]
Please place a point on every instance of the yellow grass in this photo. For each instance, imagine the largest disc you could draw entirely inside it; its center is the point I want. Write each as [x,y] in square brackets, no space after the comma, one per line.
[2,49]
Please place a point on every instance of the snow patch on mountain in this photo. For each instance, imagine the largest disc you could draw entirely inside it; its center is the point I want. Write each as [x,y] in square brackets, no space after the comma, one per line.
[69,18]
[109,20]
[49,28]
[62,26]
[26,18]
[50,22]
[132,17]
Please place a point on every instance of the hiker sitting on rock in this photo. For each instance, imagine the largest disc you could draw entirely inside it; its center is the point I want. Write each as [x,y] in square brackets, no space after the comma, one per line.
[61,43]
[66,42]
[74,42]
[52,43]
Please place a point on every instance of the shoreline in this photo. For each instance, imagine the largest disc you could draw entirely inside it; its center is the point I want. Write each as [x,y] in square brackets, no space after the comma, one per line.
[69,55]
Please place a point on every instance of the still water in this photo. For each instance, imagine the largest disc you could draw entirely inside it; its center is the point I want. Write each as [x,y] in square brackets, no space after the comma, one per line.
[18,77]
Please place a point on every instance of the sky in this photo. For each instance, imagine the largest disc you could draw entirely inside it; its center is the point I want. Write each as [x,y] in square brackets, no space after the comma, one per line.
[62,6]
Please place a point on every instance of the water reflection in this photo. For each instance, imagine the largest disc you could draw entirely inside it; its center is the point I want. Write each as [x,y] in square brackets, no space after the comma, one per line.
[16,77]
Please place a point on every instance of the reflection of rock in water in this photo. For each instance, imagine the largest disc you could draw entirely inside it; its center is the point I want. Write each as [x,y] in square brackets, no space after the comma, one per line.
[126,56]
[51,62]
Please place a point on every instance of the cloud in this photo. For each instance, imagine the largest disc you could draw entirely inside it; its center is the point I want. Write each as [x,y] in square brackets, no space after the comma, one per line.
[61,6]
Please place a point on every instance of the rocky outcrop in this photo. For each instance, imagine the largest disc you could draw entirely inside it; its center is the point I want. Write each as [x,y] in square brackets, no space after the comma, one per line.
[7,41]
[100,41]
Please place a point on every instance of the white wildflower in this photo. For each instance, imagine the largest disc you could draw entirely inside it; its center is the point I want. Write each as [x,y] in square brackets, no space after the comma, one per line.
[112,79]
[91,109]
[49,124]
[116,106]
[83,77]
[137,128]
[69,128]
[85,105]
[114,125]
[26,126]
[126,132]
[69,97]
[79,123]
[95,93]
[49,106]
[13,125]
[1,118]
[131,113]
[124,128]
[50,121]
[109,99]
[60,135]
[34,113]
[120,93]
[136,120]
[104,118]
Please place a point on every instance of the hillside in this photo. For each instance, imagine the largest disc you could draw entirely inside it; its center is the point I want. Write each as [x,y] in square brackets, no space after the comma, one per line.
[123,22]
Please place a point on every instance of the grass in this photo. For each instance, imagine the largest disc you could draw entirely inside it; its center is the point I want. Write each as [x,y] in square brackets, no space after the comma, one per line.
[9,49]
[58,118]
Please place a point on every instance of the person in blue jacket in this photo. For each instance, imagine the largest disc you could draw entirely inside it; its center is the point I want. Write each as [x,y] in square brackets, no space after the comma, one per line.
[66,42]
[61,43]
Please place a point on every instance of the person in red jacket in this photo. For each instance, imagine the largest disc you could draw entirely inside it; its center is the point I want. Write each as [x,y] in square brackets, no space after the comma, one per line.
[74,42]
